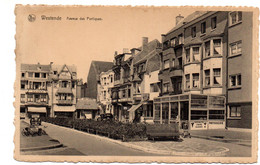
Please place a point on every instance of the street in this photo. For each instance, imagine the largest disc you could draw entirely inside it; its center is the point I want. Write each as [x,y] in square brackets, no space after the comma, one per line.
[89,144]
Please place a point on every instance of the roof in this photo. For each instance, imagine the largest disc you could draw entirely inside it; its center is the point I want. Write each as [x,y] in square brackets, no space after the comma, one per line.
[102,66]
[86,103]
[35,67]
[58,68]
[151,46]
[189,18]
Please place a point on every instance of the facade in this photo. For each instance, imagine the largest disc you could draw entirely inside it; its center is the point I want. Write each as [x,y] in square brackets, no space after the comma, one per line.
[48,90]
[134,72]
[239,72]
[34,84]
[106,85]
[93,86]
[63,90]
[86,108]
[202,59]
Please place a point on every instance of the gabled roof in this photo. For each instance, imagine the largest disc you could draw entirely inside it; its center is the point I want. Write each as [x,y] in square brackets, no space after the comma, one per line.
[101,66]
[189,18]
[35,67]
[87,103]
[59,68]
[151,46]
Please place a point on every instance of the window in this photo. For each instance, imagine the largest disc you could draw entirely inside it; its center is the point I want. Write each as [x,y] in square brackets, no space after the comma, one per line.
[207,49]
[187,55]
[235,80]
[174,110]
[23,75]
[157,109]
[236,48]
[129,92]
[187,77]
[43,98]
[165,111]
[37,98]
[234,111]
[180,39]
[193,32]
[203,27]
[30,74]
[173,63]
[213,23]
[22,85]
[105,94]
[198,115]
[22,98]
[64,84]
[217,76]
[217,47]
[166,64]
[138,87]
[43,75]
[196,53]
[207,77]
[37,75]
[105,80]
[195,80]
[73,84]
[30,98]
[154,87]
[166,87]
[235,17]
[216,114]
[173,42]
[111,79]
[54,72]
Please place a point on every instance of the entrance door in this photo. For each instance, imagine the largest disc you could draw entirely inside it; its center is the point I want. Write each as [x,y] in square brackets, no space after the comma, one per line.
[184,114]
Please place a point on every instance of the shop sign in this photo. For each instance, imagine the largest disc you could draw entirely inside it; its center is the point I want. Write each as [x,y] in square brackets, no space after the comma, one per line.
[199,125]
[216,124]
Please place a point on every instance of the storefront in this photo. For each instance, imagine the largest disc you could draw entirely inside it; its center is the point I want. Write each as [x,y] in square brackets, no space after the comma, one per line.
[197,110]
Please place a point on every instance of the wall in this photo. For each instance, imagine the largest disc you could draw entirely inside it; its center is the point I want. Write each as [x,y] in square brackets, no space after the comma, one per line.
[91,90]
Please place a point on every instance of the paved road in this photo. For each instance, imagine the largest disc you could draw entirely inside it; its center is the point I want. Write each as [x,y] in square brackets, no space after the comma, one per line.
[90,145]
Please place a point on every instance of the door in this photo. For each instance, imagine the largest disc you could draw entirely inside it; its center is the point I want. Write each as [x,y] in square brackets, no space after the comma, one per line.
[184,114]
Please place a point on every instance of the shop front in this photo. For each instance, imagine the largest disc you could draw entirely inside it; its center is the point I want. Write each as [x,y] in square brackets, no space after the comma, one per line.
[198,111]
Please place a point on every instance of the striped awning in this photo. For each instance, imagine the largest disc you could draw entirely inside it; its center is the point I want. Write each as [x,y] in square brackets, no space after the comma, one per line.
[37,109]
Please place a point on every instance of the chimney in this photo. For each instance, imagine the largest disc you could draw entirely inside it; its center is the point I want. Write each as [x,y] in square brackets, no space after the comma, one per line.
[144,42]
[125,50]
[178,19]
[115,53]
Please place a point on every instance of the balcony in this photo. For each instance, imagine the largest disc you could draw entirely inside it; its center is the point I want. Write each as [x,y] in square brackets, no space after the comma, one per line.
[65,102]
[37,91]
[137,96]
[36,103]
[176,71]
[145,96]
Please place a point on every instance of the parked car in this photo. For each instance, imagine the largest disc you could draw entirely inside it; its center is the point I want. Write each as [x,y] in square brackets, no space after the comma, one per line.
[105,116]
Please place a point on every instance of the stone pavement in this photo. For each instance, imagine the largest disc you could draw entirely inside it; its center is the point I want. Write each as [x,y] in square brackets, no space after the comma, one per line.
[185,147]
[224,135]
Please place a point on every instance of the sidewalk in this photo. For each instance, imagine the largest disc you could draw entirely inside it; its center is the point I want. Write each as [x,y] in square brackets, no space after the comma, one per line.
[29,143]
[224,135]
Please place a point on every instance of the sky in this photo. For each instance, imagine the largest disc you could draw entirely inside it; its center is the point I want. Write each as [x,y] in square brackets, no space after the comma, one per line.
[78,42]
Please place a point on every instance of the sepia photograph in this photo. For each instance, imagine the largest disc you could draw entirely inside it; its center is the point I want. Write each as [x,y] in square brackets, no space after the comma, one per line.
[136,84]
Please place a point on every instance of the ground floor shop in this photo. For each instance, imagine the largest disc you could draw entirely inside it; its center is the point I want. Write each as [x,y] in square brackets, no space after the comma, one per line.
[28,111]
[197,111]
[64,111]
[120,111]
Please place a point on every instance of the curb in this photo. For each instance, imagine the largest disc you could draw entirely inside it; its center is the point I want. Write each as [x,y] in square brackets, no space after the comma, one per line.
[222,140]
[154,151]
[41,148]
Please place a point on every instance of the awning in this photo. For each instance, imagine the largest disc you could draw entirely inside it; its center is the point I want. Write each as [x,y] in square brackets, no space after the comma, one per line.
[57,108]
[135,107]
[37,109]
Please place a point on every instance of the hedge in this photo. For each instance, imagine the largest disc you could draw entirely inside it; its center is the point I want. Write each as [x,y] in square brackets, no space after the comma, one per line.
[110,128]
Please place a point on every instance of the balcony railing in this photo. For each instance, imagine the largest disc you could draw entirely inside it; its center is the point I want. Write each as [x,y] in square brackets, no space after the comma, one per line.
[37,91]
[65,102]
[36,103]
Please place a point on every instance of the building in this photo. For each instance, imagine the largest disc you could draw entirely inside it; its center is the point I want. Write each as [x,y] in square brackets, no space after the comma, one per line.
[106,85]
[93,79]
[34,98]
[145,82]
[239,70]
[121,92]
[86,108]
[81,89]
[201,60]
[134,72]
[48,90]
[62,91]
